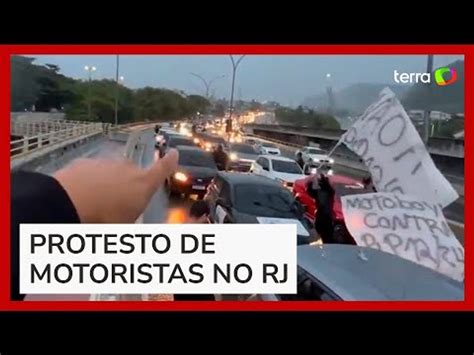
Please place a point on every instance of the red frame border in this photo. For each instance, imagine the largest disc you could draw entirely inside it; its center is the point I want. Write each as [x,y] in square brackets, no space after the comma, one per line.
[7,50]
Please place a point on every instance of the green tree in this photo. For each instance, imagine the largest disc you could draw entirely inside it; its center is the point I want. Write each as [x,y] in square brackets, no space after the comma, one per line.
[301,118]
[197,103]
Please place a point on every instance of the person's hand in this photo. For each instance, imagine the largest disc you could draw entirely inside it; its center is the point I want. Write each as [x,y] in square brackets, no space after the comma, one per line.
[108,191]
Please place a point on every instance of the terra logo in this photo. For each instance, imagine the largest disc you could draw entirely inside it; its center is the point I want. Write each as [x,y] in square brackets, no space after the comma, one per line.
[440,76]
[443,76]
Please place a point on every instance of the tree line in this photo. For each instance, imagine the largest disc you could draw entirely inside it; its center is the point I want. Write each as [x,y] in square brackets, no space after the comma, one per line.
[301,117]
[43,88]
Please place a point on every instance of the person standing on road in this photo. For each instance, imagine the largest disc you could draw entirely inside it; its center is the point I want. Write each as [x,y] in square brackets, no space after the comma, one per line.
[320,189]
[199,212]
[300,160]
[220,157]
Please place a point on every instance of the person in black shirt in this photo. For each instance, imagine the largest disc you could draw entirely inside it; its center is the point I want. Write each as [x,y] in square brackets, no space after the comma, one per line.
[221,158]
[300,160]
[87,191]
[323,193]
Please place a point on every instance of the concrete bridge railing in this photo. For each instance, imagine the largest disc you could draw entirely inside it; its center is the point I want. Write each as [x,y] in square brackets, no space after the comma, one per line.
[41,135]
[448,147]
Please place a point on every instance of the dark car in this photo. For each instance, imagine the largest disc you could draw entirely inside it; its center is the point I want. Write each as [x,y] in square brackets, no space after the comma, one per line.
[249,198]
[242,156]
[174,141]
[163,136]
[196,169]
[335,272]
[209,142]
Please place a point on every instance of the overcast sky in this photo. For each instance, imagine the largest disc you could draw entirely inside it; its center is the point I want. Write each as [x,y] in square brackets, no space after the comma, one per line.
[287,79]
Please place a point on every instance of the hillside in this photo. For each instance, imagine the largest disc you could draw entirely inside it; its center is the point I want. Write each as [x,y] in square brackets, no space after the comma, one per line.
[448,98]
[354,98]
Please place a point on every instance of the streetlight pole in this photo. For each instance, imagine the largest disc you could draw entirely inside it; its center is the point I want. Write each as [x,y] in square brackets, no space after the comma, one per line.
[116,88]
[89,69]
[235,64]
[427,118]
[207,84]
[330,94]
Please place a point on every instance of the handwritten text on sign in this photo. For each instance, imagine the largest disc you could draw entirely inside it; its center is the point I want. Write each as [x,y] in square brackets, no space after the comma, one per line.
[386,139]
[407,227]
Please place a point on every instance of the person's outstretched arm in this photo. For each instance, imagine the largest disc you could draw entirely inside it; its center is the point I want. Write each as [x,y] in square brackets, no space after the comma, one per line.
[87,191]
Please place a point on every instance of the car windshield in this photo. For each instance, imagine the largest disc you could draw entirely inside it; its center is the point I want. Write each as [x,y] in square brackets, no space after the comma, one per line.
[268,145]
[242,148]
[174,142]
[316,151]
[214,140]
[196,158]
[265,201]
[350,189]
[283,166]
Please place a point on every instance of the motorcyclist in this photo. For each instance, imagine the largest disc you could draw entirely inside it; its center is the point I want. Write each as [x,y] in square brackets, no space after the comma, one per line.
[157,128]
[220,157]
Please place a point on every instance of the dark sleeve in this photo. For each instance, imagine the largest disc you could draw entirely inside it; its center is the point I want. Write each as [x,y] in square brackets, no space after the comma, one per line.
[35,198]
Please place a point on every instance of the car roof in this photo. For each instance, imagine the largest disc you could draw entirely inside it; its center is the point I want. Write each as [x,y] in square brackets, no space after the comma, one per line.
[337,179]
[247,178]
[360,273]
[311,147]
[187,148]
[180,137]
[276,157]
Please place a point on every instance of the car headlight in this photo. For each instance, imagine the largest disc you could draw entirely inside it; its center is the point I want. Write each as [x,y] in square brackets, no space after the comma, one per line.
[330,172]
[233,156]
[331,160]
[283,182]
[180,176]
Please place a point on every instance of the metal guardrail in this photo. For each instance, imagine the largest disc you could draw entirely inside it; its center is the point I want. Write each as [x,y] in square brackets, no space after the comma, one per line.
[38,135]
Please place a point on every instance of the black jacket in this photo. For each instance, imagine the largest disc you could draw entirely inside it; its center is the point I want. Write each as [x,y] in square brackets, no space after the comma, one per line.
[35,198]
[324,199]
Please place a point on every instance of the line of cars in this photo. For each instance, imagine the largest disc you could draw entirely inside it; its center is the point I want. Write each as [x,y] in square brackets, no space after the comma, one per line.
[269,188]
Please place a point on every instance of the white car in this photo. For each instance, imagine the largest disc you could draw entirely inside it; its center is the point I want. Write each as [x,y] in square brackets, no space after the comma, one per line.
[315,156]
[279,168]
[267,148]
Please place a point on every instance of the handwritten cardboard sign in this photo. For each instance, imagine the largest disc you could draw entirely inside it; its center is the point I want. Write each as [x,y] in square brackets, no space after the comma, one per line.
[406,226]
[391,148]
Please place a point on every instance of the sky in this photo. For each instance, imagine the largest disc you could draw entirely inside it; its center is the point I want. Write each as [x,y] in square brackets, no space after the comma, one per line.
[288,79]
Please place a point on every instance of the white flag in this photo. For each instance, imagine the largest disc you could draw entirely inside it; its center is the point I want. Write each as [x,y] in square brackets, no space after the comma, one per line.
[405,226]
[391,148]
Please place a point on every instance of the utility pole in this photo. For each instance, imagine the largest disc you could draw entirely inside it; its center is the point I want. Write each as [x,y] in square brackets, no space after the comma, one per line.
[207,84]
[116,89]
[89,69]
[427,118]
[235,64]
